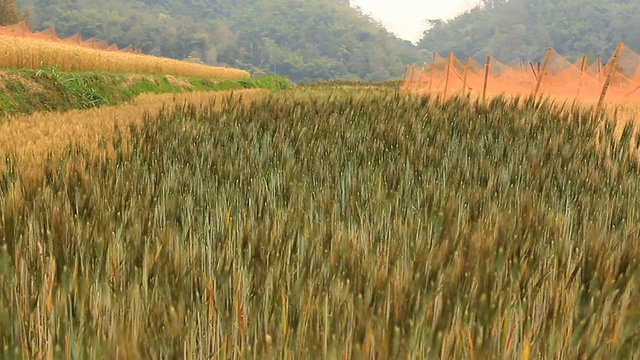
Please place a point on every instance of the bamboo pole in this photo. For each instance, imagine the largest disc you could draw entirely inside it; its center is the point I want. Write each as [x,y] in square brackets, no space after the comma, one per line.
[423,71]
[411,72]
[612,71]
[446,81]
[583,67]
[433,62]
[466,72]
[583,64]
[533,71]
[487,69]
[542,72]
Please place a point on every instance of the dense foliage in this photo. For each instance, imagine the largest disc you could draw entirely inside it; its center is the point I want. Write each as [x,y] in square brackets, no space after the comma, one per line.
[524,29]
[304,40]
[330,224]
[9,13]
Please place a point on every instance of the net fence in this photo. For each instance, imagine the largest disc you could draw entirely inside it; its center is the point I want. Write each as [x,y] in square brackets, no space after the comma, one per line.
[615,80]
[21,29]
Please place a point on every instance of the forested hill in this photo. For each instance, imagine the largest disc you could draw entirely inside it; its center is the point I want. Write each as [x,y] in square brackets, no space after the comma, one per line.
[302,39]
[524,29]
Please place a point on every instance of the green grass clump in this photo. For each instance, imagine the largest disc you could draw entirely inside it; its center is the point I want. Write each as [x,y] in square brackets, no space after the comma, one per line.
[323,224]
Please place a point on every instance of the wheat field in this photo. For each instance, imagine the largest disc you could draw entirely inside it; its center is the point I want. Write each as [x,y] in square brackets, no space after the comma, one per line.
[45,135]
[28,53]
[326,224]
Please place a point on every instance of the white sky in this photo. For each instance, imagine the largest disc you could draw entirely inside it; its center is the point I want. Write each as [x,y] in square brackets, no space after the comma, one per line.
[406,18]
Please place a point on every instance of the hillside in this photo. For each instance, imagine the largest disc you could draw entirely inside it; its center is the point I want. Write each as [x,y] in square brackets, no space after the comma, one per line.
[524,29]
[50,89]
[304,40]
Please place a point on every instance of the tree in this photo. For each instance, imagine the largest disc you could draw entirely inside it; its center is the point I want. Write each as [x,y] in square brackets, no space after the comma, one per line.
[9,13]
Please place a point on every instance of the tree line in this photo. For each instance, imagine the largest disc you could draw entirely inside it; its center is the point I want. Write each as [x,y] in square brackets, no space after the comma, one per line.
[304,40]
[327,39]
[523,29]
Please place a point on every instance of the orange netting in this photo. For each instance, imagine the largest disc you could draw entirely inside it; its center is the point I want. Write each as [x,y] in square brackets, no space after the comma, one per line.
[555,77]
[21,29]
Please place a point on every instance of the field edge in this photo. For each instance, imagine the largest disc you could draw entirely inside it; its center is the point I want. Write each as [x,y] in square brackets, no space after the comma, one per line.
[50,89]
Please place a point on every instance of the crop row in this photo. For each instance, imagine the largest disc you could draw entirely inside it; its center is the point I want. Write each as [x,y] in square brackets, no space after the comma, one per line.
[30,53]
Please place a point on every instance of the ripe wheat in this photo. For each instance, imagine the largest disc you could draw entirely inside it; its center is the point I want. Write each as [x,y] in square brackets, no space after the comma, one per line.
[27,53]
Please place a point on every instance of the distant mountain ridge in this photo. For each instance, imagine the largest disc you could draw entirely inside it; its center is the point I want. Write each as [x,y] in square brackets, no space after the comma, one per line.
[304,40]
[523,29]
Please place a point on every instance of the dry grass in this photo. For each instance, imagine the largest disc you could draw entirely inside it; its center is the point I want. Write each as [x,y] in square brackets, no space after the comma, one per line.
[178,82]
[27,53]
[32,86]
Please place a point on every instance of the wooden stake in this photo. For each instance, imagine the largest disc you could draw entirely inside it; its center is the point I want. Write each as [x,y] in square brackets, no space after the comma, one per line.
[487,69]
[542,72]
[612,71]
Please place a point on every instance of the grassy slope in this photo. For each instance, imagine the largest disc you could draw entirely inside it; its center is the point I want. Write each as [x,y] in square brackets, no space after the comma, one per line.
[27,91]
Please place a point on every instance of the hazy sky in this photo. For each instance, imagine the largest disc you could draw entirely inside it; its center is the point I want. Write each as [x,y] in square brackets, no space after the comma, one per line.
[407,18]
